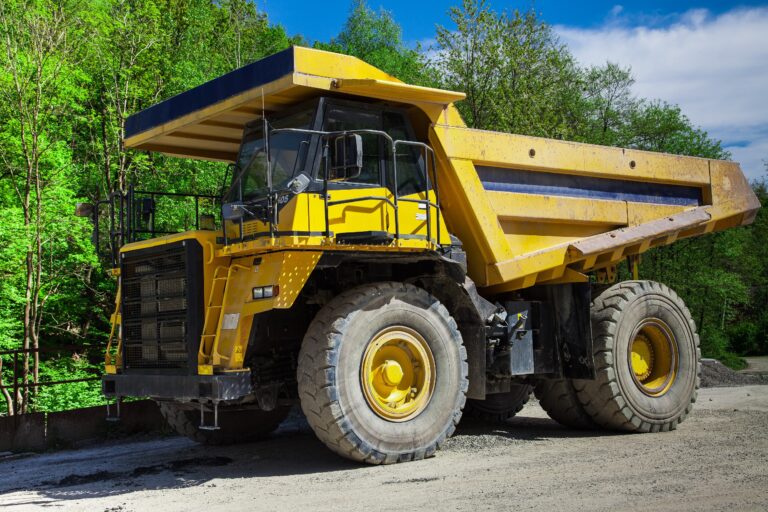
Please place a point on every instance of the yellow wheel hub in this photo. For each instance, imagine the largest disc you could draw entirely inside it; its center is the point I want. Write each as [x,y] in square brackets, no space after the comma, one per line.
[653,357]
[642,357]
[398,373]
[392,373]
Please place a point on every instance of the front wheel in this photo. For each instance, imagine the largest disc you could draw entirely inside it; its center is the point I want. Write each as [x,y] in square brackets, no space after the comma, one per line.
[383,374]
[646,358]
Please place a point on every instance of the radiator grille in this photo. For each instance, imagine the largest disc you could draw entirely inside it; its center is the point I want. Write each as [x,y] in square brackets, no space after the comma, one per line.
[159,310]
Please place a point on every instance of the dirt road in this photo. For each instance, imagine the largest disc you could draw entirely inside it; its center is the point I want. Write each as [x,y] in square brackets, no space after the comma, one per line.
[756,365]
[717,460]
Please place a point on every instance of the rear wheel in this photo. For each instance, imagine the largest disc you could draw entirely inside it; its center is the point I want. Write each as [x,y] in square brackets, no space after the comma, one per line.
[499,407]
[646,359]
[236,425]
[559,399]
[383,374]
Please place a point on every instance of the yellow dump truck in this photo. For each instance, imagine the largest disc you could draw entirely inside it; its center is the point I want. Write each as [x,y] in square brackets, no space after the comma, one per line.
[390,269]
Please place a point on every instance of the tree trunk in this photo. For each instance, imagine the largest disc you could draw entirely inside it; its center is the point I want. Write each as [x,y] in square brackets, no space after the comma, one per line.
[26,344]
[5,392]
[38,281]
[35,45]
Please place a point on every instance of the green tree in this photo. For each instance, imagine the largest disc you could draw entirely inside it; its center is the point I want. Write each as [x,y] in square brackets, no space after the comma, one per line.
[39,90]
[376,38]
[517,76]
[608,104]
[71,73]
[658,126]
[247,34]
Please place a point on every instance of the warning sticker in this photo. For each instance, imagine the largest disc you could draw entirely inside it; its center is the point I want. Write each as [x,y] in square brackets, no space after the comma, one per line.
[230,321]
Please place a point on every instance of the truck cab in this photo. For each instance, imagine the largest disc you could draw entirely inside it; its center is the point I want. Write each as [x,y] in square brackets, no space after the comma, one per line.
[346,152]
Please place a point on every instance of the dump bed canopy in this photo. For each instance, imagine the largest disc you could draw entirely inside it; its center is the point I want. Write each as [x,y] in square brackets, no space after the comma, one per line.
[207,121]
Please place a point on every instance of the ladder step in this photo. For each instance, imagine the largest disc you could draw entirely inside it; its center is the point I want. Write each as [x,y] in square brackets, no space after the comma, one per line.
[215,307]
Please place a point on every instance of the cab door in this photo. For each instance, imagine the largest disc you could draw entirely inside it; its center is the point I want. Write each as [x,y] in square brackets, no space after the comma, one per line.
[359,210]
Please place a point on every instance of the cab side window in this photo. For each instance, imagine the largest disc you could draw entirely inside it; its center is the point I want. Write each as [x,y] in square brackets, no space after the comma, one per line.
[410,161]
[346,118]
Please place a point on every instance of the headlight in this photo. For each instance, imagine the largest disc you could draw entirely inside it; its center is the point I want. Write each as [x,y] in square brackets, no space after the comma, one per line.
[265,292]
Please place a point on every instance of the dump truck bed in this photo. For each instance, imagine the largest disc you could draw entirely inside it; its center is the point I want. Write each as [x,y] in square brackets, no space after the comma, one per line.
[527,210]
[544,211]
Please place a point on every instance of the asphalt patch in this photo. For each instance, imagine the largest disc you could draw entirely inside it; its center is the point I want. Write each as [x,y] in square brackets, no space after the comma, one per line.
[176,466]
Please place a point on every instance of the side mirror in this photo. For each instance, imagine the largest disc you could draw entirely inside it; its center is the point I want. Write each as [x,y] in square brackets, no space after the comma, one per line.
[233,211]
[346,159]
[84,210]
[146,207]
[299,184]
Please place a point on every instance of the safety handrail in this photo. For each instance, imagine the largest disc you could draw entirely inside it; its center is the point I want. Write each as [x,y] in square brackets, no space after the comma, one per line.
[326,178]
[393,145]
[123,225]
[429,204]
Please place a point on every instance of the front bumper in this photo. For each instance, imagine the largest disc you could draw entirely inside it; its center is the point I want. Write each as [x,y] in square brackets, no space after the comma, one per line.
[229,386]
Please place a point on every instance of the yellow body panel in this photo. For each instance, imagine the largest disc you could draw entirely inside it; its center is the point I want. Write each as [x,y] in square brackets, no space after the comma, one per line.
[514,151]
[286,270]
[304,218]
[286,261]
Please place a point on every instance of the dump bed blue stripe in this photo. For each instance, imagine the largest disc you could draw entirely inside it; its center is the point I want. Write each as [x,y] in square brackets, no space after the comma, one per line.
[238,81]
[554,184]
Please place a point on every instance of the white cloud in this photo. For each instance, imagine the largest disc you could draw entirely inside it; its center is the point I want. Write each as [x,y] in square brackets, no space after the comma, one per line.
[714,67]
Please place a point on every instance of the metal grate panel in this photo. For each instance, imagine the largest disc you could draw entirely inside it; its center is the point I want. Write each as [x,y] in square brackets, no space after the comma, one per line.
[160,312]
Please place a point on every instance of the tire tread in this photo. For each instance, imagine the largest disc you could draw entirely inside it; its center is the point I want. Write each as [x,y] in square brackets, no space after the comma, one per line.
[601,399]
[317,389]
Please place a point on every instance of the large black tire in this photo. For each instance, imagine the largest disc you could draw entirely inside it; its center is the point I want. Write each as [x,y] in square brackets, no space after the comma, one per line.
[559,399]
[236,425]
[617,399]
[499,407]
[331,365]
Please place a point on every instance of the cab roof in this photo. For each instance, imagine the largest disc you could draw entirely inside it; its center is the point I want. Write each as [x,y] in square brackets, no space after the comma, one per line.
[207,122]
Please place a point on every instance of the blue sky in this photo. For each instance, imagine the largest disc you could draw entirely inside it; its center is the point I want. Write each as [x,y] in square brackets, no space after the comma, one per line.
[319,21]
[709,57]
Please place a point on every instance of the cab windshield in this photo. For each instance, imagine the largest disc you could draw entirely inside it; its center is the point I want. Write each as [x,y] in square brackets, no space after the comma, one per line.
[288,154]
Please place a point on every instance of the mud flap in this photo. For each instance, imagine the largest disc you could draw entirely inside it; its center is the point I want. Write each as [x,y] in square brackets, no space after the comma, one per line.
[563,344]
[573,329]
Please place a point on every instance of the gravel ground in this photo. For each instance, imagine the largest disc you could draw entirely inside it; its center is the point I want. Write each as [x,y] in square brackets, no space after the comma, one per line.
[714,374]
[716,460]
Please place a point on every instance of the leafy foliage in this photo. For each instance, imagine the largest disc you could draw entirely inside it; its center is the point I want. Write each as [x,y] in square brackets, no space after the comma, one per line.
[71,73]
[376,38]
[517,75]
[62,396]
